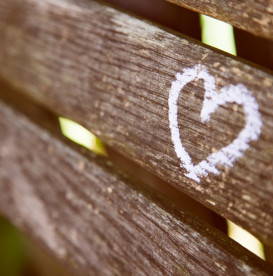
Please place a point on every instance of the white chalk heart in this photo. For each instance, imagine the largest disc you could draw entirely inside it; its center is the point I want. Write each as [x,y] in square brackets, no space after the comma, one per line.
[212,100]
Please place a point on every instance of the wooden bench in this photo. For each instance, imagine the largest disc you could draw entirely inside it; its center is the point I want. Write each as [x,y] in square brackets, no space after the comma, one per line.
[188,129]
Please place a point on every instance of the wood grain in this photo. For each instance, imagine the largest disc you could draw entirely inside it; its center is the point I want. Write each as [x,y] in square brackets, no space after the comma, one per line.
[253,16]
[91,219]
[140,177]
[112,73]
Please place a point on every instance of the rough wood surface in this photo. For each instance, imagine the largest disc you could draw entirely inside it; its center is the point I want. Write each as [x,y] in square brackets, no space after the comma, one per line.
[140,177]
[112,73]
[251,15]
[91,219]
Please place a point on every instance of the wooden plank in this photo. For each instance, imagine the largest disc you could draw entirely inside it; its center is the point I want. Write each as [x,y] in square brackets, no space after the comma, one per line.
[253,16]
[139,176]
[94,221]
[113,74]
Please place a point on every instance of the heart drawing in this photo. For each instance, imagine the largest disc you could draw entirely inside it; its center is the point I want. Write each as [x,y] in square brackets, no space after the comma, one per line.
[238,94]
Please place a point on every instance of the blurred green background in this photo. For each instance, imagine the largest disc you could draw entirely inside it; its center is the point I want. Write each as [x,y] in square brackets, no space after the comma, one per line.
[13,256]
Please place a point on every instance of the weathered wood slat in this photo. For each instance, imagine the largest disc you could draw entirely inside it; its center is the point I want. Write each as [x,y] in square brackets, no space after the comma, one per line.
[140,177]
[89,217]
[253,16]
[113,74]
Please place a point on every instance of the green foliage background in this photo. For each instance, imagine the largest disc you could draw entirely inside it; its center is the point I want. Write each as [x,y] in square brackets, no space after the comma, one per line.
[12,256]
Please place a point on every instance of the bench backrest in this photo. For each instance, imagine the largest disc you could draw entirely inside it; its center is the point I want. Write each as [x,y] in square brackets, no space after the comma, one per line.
[193,117]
